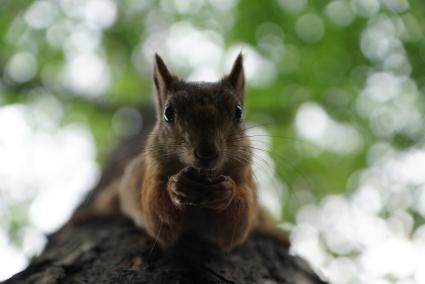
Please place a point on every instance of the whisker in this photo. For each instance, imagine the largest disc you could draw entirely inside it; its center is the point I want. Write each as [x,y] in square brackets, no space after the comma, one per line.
[250,127]
[156,239]
[241,138]
[274,154]
[268,171]
[285,163]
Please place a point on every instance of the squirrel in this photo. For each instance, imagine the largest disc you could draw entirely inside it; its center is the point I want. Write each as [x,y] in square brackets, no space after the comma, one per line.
[195,172]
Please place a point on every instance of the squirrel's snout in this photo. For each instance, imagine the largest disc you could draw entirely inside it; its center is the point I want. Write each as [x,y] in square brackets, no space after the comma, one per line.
[206,153]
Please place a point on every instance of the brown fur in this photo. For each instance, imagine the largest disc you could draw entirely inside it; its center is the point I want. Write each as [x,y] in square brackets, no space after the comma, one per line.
[169,189]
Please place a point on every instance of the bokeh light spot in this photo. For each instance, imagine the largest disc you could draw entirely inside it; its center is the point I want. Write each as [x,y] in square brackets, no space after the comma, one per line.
[40,14]
[293,6]
[22,67]
[310,28]
[339,12]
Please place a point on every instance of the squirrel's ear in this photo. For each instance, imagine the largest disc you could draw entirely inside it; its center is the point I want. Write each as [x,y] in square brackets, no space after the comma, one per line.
[236,78]
[162,79]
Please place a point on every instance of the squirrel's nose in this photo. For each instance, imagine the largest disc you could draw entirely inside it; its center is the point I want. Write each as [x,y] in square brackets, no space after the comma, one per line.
[206,153]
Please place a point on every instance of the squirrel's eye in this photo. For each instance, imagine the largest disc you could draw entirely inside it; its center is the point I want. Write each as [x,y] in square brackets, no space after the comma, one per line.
[169,114]
[238,113]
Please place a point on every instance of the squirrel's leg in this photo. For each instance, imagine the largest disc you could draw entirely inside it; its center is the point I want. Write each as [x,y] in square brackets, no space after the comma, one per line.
[232,225]
[106,202]
[162,220]
[267,225]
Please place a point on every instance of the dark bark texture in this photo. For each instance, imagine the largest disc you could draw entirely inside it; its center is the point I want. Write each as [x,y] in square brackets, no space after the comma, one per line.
[114,250]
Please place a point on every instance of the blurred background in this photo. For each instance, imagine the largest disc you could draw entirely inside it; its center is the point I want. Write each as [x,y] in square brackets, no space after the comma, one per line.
[336,99]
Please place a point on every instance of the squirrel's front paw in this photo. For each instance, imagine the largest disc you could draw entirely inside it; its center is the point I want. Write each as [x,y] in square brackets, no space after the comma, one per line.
[185,188]
[191,188]
[219,193]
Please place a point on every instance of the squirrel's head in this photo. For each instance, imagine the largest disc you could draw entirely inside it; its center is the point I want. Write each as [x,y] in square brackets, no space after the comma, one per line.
[201,124]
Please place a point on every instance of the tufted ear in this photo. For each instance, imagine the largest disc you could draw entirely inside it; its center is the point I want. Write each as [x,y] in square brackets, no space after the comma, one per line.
[162,79]
[236,78]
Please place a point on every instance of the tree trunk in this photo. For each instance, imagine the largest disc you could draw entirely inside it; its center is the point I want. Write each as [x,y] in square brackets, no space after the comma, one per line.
[114,250]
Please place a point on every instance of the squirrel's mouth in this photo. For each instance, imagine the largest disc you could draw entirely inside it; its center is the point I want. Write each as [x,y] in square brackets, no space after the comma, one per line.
[206,160]
[207,165]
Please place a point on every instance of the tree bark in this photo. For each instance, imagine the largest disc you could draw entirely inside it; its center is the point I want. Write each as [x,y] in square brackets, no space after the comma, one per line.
[113,250]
